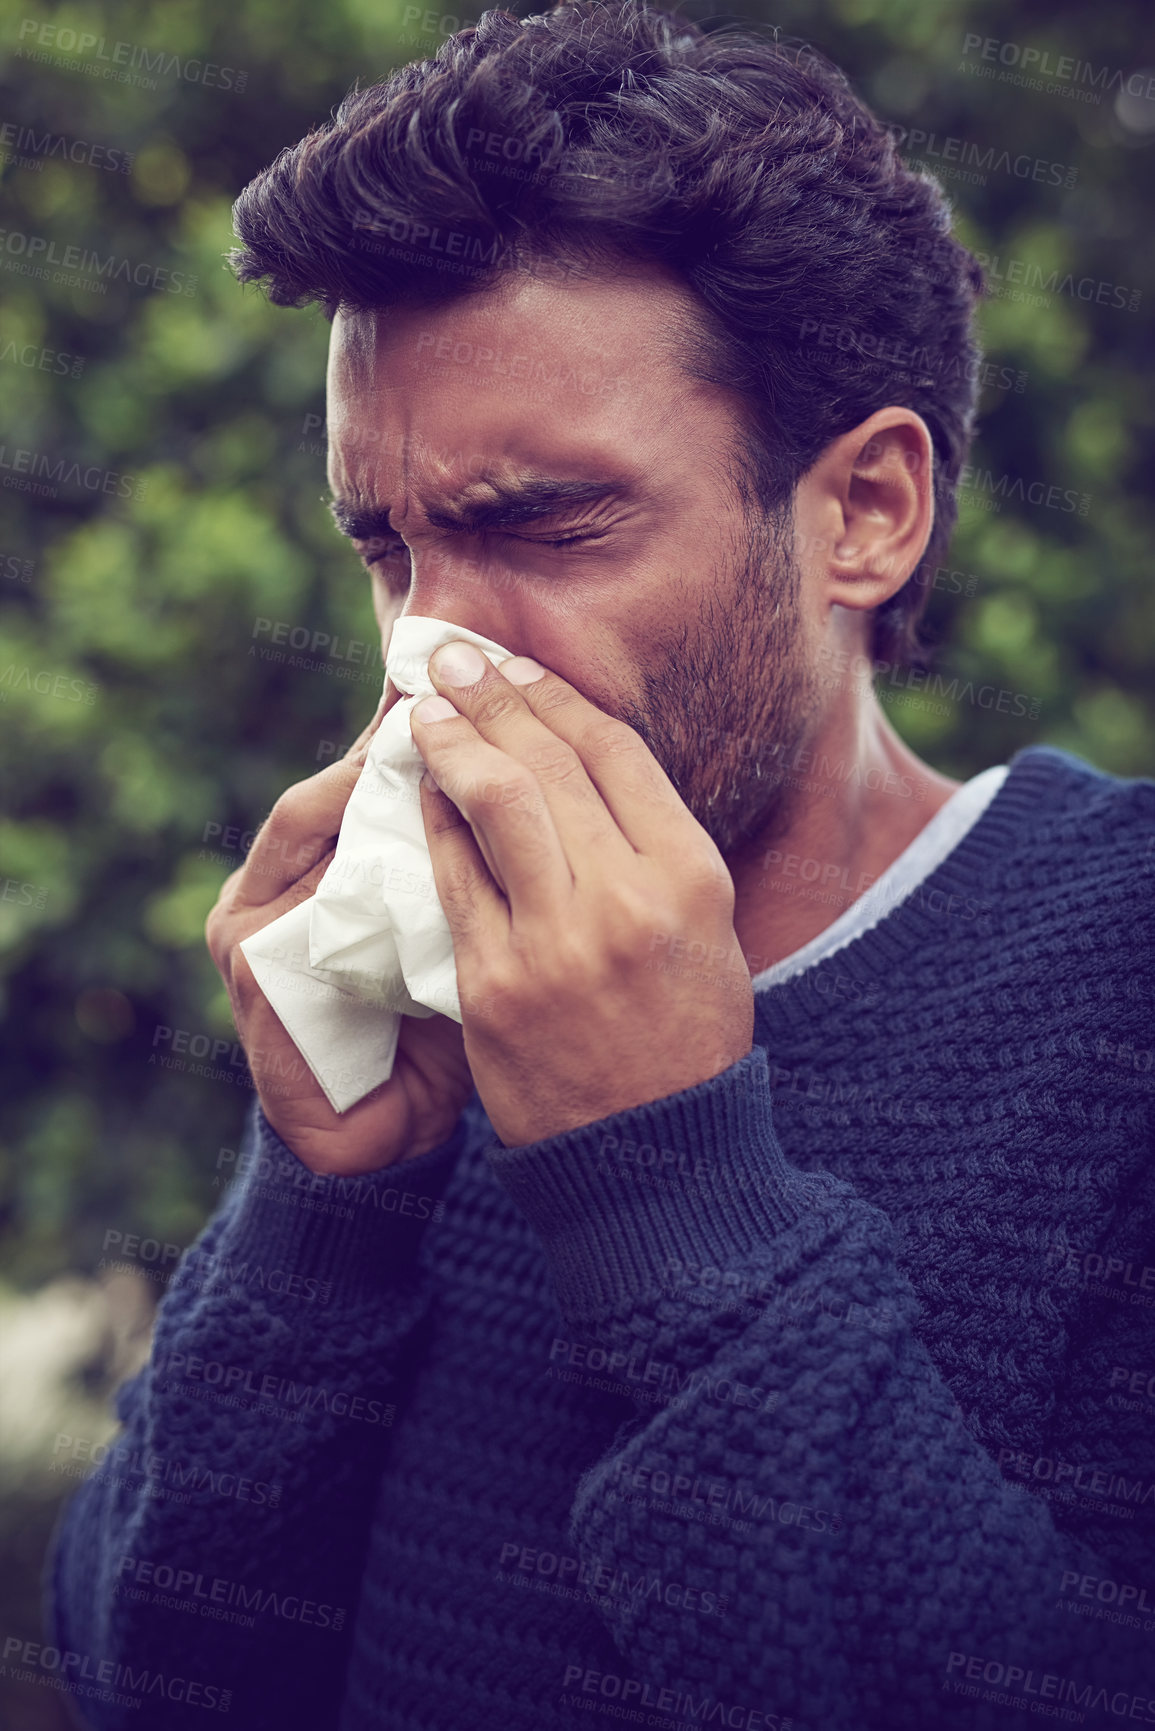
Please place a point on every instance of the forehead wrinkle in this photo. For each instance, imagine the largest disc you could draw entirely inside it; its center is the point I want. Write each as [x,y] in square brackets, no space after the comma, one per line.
[366,488]
[458,501]
[513,488]
[475,492]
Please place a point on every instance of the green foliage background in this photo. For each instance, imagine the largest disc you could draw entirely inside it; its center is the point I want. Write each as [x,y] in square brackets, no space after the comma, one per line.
[206,398]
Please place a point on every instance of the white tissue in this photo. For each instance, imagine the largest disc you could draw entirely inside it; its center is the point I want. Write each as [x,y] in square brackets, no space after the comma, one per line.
[373,943]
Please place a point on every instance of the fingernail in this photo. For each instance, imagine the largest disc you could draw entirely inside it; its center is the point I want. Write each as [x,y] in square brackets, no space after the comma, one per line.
[434,709]
[459,664]
[522,669]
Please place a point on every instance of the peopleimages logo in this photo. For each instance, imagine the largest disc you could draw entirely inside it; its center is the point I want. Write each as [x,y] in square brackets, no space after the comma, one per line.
[984,490]
[165,1477]
[215,1595]
[1016,278]
[981,159]
[240,1385]
[582,1680]
[42,360]
[35,255]
[28,895]
[108,1679]
[1030,67]
[120,61]
[44,473]
[1018,1683]
[519,1561]
[28,148]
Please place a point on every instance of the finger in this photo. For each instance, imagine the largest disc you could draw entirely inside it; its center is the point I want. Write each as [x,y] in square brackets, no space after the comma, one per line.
[635,790]
[476,912]
[500,714]
[449,819]
[299,830]
[231,919]
[504,807]
[302,827]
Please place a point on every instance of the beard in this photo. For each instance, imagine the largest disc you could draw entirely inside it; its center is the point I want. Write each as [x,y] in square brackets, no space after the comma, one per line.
[732,699]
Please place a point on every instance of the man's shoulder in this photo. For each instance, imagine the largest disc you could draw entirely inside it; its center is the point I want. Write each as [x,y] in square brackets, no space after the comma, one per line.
[1061,863]
[1069,864]
[1063,797]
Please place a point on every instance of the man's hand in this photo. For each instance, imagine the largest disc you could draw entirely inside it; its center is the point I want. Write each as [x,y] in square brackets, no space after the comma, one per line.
[570,871]
[420,1103]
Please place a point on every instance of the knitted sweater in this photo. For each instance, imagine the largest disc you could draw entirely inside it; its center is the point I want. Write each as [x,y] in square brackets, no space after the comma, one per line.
[819,1395]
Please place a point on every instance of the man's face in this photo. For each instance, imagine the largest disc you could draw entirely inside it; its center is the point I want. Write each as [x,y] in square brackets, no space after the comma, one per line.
[531,464]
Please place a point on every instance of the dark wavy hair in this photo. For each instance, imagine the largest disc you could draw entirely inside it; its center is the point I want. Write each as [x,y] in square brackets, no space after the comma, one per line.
[610,131]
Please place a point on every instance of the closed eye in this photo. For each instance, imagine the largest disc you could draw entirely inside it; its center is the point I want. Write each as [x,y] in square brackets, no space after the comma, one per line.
[384,548]
[567,541]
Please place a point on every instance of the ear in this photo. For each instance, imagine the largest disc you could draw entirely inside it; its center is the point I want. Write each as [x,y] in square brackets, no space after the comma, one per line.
[872,491]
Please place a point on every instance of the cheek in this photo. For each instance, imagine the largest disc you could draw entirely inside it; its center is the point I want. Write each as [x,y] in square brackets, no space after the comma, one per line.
[387,608]
[606,676]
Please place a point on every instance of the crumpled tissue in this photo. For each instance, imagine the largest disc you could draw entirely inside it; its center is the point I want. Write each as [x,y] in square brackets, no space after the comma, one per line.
[372,944]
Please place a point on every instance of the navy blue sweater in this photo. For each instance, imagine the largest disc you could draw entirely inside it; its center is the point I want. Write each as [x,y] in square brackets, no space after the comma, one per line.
[821,1394]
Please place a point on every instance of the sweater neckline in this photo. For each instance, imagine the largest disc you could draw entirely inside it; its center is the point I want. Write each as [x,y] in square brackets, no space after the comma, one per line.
[918,922]
[917,862]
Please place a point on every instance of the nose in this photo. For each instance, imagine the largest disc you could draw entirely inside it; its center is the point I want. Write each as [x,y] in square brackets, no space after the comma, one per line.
[452,584]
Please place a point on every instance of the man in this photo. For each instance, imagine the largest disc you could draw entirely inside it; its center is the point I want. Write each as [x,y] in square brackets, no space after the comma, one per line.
[743,1317]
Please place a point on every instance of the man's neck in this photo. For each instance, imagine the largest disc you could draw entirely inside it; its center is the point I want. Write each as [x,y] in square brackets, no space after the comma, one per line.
[857,798]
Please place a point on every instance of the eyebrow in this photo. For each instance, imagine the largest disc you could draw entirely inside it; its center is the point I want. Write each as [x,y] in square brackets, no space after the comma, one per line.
[517,502]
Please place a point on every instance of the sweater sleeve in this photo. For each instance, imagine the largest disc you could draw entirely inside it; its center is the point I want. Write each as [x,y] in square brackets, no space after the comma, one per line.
[213,1560]
[798,1523]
